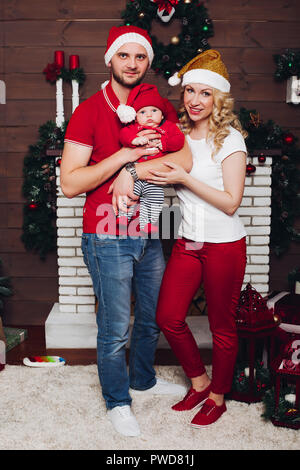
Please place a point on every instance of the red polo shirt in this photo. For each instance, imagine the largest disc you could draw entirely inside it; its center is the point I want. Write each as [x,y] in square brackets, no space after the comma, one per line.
[96,125]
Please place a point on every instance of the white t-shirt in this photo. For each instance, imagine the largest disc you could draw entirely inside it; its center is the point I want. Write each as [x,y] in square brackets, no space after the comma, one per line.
[202,222]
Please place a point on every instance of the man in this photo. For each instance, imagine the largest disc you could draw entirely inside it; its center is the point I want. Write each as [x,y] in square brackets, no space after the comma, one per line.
[117,263]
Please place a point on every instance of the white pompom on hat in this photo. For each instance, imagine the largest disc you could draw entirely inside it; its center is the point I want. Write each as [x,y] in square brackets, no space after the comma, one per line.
[120,35]
[174,80]
[126,113]
[206,68]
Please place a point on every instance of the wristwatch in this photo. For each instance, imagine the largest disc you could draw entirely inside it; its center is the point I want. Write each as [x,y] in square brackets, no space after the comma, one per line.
[131,168]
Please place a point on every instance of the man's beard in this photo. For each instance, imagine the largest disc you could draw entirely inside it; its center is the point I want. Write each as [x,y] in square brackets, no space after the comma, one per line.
[122,82]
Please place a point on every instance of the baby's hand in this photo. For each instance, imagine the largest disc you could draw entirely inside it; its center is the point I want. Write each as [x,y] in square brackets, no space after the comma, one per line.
[142,140]
[155,143]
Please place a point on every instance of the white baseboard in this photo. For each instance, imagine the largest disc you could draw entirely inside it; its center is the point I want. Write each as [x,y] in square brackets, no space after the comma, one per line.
[79,331]
[70,330]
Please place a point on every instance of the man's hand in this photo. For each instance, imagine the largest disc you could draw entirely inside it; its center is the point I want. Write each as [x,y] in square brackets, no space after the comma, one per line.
[122,189]
[136,153]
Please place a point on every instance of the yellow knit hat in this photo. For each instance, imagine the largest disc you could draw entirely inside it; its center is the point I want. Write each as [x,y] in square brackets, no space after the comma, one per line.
[206,68]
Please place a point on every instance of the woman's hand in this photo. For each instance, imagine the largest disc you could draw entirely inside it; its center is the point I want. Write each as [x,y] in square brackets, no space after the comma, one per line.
[176,175]
[122,189]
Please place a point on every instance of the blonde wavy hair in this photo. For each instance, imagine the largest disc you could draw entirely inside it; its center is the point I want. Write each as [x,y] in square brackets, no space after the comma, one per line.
[221,118]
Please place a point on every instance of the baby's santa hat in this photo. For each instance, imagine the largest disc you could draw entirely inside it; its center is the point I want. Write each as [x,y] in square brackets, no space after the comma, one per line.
[206,68]
[139,97]
[120,35]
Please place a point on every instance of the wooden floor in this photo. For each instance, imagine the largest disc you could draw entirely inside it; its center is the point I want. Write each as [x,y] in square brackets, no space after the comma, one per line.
[35,345]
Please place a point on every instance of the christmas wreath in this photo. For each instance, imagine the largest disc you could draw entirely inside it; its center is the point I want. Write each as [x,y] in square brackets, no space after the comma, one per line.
[196,28]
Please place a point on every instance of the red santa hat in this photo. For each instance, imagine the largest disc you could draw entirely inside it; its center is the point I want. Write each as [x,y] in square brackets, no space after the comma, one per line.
[120,35]
[139,97]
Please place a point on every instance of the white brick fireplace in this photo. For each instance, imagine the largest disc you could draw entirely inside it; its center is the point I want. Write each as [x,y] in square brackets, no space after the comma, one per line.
[72,320]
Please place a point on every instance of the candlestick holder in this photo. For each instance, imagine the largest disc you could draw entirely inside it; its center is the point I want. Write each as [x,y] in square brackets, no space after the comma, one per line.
[59,103]
[75,95]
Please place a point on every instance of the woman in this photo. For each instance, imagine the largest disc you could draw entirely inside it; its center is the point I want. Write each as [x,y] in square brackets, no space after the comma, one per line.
[212,245]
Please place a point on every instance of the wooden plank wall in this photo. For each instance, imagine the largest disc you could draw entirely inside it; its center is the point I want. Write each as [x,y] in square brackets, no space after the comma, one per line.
[247,33]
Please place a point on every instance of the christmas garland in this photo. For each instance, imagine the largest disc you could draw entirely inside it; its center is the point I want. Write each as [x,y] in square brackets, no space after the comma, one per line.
[285,175]
[39,190]
[196,28]
[54,72]
[287,65]
[57,70]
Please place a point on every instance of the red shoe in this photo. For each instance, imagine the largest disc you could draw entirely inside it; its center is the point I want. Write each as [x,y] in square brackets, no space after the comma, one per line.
[192,399]
[208,414]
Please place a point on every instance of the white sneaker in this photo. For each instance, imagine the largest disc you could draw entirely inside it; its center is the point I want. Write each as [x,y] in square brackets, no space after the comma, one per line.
[162,387]
[124,420]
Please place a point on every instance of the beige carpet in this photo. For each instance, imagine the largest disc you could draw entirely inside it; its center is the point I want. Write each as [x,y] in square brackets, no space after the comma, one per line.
[62,408]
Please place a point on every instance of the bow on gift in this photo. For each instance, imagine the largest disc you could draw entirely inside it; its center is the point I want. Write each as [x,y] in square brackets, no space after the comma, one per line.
[165,9]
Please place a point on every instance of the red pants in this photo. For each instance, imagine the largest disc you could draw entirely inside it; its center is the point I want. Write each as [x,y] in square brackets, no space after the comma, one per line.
[221,267]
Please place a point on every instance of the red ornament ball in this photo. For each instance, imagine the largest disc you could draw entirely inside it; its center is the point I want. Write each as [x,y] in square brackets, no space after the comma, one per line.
[250,169]
[288,138]
[261,158]
[32,206]
[58,161]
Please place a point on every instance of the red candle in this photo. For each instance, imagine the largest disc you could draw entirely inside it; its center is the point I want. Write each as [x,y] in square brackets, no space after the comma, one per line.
[74,62]
[59,58]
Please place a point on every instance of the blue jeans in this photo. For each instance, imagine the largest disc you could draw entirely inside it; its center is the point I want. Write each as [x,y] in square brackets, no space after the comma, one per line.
[117,266]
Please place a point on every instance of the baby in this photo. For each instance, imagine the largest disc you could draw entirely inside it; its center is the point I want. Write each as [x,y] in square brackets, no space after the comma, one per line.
[150,110]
